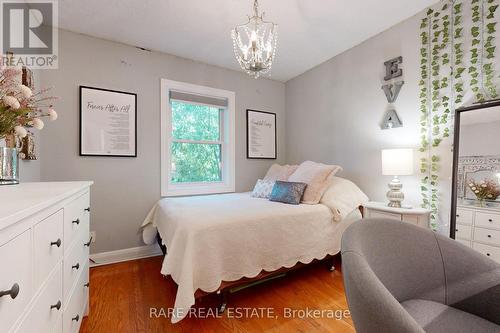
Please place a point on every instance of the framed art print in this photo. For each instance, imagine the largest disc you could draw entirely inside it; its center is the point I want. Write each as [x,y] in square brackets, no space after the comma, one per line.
[108,122]
[261,135]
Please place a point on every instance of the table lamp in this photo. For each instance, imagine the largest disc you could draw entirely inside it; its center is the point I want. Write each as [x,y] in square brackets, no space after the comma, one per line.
[396,162]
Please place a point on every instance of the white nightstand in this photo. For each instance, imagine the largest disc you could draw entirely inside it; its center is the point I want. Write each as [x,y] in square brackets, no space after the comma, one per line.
[417,216]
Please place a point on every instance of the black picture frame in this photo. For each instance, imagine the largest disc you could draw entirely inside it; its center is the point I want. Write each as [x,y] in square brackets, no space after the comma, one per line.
[275,136]
[81,153]
[456,155]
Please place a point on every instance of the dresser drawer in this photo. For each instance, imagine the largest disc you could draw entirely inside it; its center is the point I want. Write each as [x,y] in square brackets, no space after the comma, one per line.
[492,252]
[76,214]
[384,215]
[48,239]
[487,236]
[464,216]
[74,262]
[16,272]
[463,232]
[47,310]
[489,220]
[74,311]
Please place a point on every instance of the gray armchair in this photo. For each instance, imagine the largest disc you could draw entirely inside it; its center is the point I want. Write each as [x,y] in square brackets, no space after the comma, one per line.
[402,278]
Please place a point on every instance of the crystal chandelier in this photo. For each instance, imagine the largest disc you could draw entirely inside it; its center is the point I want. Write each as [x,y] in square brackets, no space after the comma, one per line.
[255,43]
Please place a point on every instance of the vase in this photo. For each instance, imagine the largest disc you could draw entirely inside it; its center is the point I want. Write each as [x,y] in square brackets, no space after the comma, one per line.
[9,166]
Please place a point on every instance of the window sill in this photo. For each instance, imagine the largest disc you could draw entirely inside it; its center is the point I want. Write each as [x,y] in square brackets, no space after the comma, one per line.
[180,190]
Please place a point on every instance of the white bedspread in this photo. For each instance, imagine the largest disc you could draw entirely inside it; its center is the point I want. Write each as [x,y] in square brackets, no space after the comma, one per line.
[225,237]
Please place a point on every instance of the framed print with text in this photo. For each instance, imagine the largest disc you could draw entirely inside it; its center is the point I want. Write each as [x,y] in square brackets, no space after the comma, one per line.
[261,135]
[108,122]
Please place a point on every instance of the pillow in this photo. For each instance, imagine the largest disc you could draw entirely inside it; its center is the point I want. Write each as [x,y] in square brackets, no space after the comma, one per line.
[263,188]
[287,192]
[342,197]
[317,177]
[280,172]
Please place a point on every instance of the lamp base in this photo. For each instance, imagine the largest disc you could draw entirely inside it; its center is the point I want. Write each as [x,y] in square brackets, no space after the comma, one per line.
[395,195]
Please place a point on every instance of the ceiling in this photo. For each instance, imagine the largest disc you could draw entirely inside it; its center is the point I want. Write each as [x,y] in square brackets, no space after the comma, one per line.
[310,31]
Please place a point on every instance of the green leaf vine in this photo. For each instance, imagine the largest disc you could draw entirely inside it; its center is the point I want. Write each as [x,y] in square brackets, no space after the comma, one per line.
[489,47]
[475,50]
[442,84]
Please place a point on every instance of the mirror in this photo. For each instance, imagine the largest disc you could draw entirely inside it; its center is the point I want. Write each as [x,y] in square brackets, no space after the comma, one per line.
[475,216]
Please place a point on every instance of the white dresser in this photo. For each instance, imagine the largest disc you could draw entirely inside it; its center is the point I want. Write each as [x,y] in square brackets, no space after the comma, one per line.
[479,228]
[416,216]
[44,250]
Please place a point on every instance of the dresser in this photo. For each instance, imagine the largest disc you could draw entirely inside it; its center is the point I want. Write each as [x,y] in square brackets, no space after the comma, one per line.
[44,251]
[479,228]
[416,216]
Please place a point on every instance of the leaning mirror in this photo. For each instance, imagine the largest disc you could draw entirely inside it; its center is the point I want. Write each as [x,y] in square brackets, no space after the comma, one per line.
[475,216]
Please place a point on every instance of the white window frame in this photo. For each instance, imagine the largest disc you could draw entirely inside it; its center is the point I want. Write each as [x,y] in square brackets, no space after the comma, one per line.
[227,184]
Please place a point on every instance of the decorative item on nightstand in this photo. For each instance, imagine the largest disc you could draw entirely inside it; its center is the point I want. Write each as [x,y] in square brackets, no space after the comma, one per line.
[396,162]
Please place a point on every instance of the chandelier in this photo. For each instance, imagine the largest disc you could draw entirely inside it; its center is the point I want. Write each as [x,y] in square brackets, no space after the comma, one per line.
[255,43]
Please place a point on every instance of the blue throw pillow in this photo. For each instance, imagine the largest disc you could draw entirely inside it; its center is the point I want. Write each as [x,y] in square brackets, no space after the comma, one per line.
[287,192]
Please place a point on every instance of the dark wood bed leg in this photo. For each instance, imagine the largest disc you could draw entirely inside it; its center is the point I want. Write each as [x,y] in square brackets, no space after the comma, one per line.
[222,301]
[160,242]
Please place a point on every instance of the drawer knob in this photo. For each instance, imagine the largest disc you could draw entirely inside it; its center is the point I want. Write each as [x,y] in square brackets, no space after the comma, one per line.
[490,220]
[87,284]
[56,243]
[75,318]
[489,236]
[458,215]
[56,306]
[456,230]
[12,292]
[488,254]
[87,209]
[77,266]
[88,243]
[77,221]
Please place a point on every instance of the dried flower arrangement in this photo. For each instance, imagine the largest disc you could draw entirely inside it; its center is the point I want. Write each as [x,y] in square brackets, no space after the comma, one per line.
[20,107]
[486,189]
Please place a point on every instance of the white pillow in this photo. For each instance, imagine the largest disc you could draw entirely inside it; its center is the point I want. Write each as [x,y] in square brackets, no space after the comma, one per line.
[280,172]
[317,176]
[342,197]
[263,188]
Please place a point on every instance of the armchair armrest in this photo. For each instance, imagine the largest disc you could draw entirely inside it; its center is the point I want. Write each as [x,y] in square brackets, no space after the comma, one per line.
[372,306]
[472,280]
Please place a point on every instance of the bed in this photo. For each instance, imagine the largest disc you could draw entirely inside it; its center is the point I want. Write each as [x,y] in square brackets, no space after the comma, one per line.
[212,240]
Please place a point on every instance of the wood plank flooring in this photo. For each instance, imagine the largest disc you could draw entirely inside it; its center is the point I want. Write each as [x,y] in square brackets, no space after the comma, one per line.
[122,294]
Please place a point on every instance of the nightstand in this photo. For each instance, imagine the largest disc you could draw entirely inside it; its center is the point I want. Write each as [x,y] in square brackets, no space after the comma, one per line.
[417,216]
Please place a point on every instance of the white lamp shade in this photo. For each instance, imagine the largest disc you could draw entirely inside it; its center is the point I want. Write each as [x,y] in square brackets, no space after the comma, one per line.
[397,162]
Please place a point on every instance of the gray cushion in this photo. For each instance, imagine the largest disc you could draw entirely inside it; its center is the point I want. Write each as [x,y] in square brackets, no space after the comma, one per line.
[437,317]
[288,192]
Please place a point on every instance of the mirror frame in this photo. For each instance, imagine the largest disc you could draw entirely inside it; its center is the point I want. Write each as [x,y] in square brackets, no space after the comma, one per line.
[456,149]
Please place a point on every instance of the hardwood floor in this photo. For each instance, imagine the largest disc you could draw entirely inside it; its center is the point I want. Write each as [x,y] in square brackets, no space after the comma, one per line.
[122,294]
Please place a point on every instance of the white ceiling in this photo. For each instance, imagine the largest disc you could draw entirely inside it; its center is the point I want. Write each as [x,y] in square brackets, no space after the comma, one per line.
[310,31]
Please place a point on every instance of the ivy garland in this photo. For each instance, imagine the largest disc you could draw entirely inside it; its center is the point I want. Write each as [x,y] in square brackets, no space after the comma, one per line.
[442,84]
[488,48]
[424,111]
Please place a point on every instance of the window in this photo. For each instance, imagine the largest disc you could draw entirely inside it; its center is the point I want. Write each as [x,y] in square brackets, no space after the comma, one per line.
[197,134]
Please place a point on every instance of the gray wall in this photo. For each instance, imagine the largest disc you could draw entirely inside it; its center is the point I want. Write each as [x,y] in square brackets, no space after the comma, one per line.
[334,110]
[29,170]
[126,188]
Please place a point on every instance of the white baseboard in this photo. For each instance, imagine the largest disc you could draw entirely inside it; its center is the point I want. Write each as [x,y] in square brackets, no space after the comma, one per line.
[112,257]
